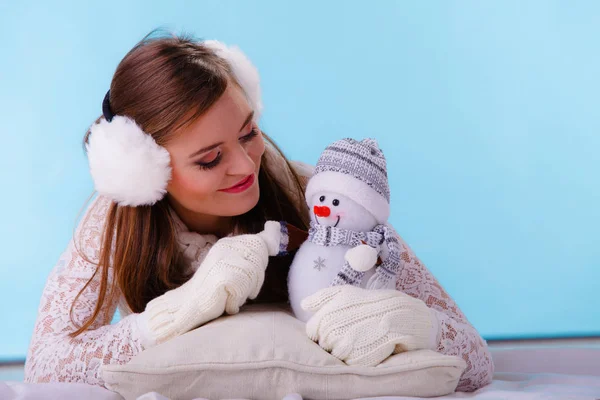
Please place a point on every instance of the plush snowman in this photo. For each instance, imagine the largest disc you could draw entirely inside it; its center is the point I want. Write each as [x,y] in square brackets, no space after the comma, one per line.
[349,241]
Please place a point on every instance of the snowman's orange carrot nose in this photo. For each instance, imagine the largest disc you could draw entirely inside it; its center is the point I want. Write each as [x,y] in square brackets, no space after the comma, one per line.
[322,211]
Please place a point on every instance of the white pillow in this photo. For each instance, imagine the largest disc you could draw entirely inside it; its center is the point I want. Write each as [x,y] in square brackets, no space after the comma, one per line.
[263,353]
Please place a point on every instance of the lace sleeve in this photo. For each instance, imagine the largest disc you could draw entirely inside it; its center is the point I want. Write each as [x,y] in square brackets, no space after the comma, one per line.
[52,354]
[457,337]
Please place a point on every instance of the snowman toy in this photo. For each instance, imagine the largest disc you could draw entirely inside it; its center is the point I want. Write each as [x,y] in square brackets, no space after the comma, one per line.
[349,241]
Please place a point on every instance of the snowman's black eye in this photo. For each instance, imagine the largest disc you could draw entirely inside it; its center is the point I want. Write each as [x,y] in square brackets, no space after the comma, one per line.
[335,202]
[322,199]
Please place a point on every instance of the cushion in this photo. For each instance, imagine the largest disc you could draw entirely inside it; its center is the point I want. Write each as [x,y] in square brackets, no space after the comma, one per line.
[263,352]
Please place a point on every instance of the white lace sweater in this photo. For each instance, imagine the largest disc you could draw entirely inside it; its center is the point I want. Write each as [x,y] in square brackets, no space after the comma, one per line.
[54,356]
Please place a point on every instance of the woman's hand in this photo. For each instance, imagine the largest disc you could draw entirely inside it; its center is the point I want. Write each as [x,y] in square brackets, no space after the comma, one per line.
[364,327]
[232,272]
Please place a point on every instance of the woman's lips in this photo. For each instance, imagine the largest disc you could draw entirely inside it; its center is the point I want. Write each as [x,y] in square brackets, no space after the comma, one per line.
[241,186]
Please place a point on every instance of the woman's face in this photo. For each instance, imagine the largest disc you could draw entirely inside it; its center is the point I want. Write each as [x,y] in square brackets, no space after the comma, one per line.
[215,163]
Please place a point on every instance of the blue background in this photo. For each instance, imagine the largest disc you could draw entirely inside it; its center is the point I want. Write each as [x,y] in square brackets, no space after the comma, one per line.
[487,111]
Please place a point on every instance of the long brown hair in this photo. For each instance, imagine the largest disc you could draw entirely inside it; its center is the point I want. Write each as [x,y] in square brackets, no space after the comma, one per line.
[157,83]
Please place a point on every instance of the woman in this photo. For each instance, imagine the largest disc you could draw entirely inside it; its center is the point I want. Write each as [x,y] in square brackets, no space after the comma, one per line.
[185,180]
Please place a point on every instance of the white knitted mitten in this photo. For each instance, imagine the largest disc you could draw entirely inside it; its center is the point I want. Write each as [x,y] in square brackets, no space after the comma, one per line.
[364,327]
[232,272]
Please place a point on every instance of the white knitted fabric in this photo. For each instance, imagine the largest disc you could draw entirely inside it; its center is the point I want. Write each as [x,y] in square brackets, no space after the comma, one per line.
[364,327]
[232,272]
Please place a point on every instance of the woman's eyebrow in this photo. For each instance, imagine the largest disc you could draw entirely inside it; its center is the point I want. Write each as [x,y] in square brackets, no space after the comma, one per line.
[212,146]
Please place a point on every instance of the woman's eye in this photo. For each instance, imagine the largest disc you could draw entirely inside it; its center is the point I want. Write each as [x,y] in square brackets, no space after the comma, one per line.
[209,164]
[249,136]
[215,161]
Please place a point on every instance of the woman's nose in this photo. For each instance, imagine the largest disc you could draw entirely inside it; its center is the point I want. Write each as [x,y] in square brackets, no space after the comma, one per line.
[242,163]
[322,211]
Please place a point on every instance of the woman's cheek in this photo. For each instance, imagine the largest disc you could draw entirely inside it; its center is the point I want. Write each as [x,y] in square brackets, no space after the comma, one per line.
[207,183]
[257,149]
[198,183]
[177,182]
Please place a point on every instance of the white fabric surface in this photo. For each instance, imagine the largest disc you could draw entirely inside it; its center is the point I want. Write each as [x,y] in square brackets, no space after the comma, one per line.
[13,390]
[562,359]
[506,386]
[273,358]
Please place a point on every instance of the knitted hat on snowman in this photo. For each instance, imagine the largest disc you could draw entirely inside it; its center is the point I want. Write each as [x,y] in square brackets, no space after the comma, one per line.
[357,170]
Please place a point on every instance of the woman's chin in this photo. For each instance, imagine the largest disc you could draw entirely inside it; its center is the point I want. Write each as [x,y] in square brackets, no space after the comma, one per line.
[240,203]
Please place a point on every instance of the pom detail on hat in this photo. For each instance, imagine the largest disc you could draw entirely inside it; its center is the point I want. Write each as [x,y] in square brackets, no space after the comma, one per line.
[126,164]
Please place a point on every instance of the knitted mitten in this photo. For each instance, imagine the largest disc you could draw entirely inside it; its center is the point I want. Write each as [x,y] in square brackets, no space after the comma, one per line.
[232,272]
[361,326]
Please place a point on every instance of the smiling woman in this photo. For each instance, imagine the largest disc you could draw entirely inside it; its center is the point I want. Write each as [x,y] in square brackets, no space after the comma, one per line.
[217,182]
[194,105]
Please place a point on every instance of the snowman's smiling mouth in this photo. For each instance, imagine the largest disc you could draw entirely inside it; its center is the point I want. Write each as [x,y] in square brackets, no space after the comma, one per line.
[336,223]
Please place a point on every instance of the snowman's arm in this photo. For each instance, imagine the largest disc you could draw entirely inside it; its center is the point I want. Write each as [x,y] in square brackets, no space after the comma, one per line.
[362,257]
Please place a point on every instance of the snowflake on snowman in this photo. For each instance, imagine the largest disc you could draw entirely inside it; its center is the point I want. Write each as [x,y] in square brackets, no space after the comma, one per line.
[349,241]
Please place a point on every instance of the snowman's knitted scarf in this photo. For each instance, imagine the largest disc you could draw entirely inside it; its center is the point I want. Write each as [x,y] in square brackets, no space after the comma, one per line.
[388,270]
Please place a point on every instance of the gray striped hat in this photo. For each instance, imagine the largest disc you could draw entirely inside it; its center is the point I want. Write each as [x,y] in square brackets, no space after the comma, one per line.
[357,170]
